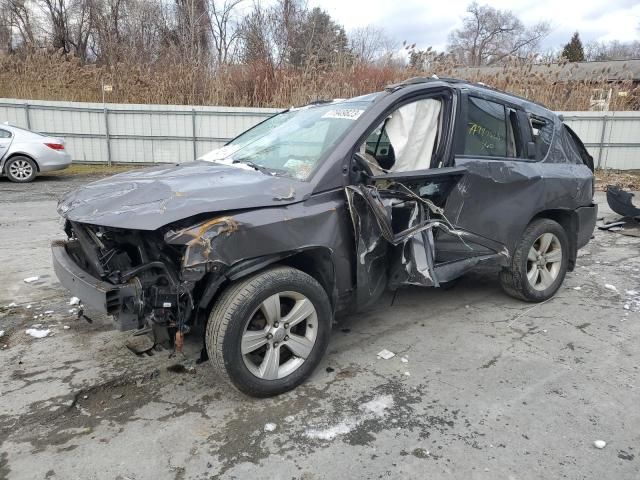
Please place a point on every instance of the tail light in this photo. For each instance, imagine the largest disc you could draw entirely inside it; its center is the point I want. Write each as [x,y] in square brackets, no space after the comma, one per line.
[55,146]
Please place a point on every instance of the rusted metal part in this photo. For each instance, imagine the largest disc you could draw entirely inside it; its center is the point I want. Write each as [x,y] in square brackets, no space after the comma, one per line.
[198,238]
[179,341]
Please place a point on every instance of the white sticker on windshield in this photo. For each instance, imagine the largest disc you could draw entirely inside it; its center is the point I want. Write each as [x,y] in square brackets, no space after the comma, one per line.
[220,153]
[345,113]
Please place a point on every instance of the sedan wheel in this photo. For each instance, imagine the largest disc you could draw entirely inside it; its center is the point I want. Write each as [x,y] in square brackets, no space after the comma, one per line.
[20,169]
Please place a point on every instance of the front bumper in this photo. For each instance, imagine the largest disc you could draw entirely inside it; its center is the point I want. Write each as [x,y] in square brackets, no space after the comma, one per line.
[122,300]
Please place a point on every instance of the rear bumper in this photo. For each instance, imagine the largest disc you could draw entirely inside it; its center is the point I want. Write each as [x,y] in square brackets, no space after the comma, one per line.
[54,161]
[118,300]
[586,224]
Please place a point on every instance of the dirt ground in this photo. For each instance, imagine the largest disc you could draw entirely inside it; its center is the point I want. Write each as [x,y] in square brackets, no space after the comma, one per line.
[491,387]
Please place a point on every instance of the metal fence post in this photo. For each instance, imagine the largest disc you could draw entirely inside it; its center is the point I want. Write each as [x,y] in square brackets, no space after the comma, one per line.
[106,134]
[193,131]
[604,129]
[27,115]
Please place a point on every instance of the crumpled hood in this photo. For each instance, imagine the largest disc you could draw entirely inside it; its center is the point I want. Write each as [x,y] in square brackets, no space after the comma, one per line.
[150,198]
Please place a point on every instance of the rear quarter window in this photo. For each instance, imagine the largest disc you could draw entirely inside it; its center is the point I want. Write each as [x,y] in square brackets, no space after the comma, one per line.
[542,130]
[5,133]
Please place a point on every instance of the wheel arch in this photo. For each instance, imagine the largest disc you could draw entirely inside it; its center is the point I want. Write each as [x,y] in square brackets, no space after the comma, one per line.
[20,154]
[568,219]
[315,261]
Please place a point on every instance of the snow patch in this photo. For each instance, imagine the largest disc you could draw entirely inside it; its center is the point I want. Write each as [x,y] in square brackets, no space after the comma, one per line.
[330,433]
[36,333]
[378,405]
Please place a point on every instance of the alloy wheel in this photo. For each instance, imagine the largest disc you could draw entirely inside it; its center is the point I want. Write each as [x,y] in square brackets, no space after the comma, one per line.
[544,261]
[279,335]
[21,169]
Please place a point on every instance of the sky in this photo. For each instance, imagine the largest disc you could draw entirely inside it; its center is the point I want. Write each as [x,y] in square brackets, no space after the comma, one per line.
[427,23]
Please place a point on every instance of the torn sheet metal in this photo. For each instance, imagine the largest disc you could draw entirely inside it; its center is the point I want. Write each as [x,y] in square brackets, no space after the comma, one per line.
[395,239]
[498,198]
[153,197]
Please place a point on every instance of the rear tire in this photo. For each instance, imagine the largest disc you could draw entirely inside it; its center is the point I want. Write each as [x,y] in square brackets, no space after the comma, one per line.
[249,339]
[20,169]
[539,264]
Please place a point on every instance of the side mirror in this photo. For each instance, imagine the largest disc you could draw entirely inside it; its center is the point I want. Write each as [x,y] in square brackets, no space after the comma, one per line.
[531,150]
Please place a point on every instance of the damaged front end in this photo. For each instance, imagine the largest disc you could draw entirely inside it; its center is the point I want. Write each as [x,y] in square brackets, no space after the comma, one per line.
[133,275]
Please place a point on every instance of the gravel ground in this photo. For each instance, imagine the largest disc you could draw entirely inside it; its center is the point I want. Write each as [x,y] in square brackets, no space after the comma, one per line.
[492,387]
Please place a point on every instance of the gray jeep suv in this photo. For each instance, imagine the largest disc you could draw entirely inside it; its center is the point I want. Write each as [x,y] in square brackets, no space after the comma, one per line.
[319,209]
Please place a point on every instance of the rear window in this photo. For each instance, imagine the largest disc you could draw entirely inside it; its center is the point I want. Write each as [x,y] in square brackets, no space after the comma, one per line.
[5,133]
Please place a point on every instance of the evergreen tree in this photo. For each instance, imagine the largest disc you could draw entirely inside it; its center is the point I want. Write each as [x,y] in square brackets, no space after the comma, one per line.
[573,50]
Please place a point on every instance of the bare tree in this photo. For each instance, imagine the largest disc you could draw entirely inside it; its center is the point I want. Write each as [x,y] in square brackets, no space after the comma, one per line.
[489,36]
[224,28]
[370,43]
[193,29]
[613,50]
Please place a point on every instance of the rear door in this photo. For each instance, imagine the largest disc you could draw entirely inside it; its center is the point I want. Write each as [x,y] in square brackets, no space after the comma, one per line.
[6,138]
[516,168]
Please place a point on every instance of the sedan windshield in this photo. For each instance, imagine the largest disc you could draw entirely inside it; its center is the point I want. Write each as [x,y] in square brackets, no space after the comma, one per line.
[291,143]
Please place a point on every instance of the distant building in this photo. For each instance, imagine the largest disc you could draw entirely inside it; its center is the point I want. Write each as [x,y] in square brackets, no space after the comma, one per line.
[625,74]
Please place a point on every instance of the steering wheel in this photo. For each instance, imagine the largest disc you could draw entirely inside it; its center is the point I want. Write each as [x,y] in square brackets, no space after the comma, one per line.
[363,163]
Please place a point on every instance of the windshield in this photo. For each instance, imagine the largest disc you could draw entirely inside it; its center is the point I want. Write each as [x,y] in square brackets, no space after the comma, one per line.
[293,142]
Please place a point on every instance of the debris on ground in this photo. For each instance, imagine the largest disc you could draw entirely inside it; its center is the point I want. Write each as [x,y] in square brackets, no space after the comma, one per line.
[608,286]
[613,226]
[48,312]
[1,333]
[600,444]
[621,202]
[577,288]
[74,301]
[37,333]
[181,368]
[12,305]
[404,360]
[386,354]
[269,427]
[289,418]
[66,327]
[31,279]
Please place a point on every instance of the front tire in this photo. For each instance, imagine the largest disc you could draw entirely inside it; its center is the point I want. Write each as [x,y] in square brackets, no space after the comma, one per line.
[539,264]
[21,169]
[267,333]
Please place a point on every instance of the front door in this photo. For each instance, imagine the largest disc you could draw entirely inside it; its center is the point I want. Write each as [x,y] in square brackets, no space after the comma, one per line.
[5,141]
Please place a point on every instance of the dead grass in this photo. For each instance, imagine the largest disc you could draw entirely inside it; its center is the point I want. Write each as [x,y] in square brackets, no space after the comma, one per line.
[56,77]
[629,180]
[80,169]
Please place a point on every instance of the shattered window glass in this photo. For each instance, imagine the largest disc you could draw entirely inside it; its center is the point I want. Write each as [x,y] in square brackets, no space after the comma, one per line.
[486,129]
[542,135]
